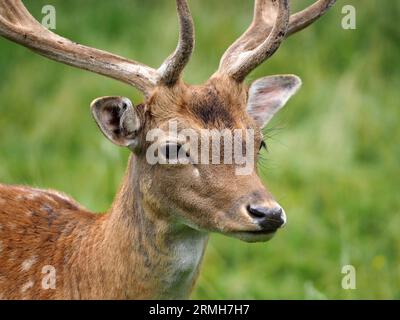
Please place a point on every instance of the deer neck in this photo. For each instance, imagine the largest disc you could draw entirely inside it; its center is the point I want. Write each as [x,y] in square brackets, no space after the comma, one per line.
[157,257]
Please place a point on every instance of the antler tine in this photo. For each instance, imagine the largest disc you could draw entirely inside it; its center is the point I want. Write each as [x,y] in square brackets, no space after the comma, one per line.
[304,18]
[246,53]
[254,46]
[173,66]
[17,24]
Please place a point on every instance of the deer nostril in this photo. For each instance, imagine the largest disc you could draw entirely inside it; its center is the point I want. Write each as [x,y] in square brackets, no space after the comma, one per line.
[267,217]
[256,211]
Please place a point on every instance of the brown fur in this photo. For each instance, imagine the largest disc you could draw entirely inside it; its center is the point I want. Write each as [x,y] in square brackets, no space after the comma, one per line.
[131,251]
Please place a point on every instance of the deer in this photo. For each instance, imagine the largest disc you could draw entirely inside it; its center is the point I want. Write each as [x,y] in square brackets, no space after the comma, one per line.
[151,241]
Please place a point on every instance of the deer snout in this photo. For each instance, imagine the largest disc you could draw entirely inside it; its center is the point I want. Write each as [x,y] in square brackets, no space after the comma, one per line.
[268,218]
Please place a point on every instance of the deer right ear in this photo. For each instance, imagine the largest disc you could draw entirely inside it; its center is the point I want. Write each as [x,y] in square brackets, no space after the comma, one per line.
[269,94]
[117,119]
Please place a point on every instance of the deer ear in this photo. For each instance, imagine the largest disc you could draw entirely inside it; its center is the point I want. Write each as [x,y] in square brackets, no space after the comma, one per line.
[117,119]
[268,95]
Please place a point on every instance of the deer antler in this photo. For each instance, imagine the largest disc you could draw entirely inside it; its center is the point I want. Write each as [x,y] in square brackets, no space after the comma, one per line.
[271,24]
[304,18]
[17,24]
[172,67]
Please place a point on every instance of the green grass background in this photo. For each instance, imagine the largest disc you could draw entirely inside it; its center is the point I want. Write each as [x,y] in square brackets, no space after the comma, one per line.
[333,159]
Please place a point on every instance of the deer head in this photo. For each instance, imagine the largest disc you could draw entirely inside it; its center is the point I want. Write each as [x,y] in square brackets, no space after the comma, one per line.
[210,197]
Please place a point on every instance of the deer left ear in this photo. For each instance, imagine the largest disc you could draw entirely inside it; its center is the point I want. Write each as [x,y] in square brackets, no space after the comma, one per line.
[268,95]
[117,119]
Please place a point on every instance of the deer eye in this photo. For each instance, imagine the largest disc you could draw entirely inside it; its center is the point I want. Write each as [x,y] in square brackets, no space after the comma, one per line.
[172,152]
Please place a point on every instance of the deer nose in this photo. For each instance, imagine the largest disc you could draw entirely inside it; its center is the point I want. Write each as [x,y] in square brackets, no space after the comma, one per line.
[268,218]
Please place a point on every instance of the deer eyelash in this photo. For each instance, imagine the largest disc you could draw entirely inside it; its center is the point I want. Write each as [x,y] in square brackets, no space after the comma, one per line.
[263,145]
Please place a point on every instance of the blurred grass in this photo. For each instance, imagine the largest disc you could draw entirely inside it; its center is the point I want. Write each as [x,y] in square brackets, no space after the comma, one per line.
[333,159]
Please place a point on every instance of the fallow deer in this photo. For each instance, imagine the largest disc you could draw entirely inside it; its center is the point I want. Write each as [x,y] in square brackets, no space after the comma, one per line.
[151,241]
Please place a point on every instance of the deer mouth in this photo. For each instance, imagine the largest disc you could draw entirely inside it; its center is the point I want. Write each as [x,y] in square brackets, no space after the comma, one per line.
[254,236]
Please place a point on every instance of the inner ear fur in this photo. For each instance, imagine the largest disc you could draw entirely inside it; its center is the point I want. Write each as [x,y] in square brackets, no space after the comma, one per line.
[118,119]
[269,94]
